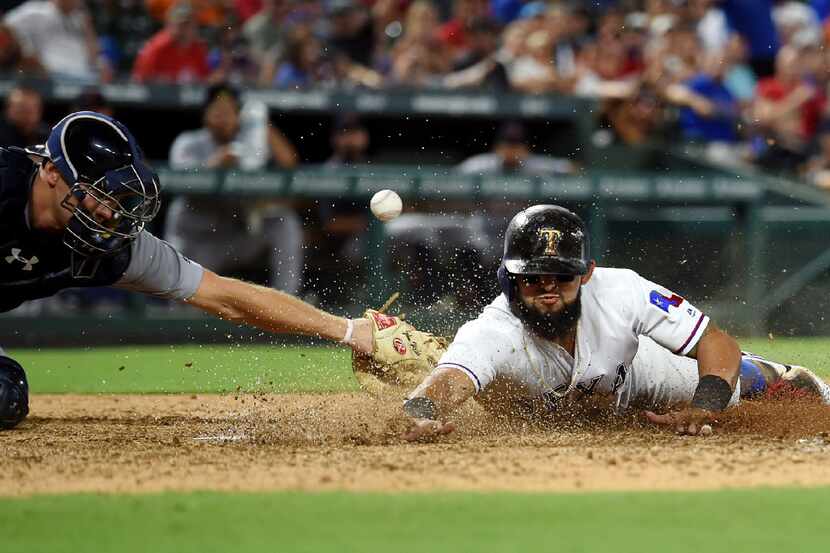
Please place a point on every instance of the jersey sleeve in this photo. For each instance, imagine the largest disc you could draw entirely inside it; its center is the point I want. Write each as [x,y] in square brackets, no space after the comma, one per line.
[667,318]
[478,352]
[157,269]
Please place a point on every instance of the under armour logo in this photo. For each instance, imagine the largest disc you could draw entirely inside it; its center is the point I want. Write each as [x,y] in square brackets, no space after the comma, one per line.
[15,256]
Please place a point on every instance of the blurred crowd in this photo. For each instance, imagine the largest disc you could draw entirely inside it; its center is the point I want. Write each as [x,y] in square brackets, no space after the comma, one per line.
[745,79]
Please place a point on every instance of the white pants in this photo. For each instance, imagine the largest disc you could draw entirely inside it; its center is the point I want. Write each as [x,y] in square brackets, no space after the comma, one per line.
[657,379]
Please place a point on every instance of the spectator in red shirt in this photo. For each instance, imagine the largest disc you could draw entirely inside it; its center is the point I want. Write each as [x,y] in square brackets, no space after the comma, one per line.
[787,109]
[209,13]
[453,33]
[246,9]
[176,53]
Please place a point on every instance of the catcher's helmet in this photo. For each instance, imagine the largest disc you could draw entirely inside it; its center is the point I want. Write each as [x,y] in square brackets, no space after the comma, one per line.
[14,393]
[543,240]
[98,157]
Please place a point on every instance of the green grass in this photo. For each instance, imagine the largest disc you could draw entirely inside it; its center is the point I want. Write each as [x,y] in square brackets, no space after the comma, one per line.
[757,520]
[813,353]
[176,369]
[695,522]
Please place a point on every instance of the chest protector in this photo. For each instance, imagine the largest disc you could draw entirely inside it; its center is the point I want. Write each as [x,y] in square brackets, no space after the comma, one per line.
[36,264]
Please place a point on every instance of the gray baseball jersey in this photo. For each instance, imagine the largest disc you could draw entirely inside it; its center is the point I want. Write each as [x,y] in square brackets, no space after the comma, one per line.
[157,269]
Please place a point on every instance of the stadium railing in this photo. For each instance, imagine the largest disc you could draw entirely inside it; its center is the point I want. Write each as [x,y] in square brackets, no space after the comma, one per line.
[627,213]
[392,101]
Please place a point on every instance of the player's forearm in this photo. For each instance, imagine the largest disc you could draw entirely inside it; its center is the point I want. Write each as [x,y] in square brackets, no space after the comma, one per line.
[447,388]
[264,308]
[718,354]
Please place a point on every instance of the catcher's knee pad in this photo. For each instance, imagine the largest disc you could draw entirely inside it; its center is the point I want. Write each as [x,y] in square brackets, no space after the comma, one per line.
[14,393]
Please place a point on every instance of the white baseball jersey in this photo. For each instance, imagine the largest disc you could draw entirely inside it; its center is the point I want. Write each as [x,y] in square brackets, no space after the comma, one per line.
[619,308]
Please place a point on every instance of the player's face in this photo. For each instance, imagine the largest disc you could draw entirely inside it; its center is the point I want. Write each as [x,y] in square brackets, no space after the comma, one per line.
[548,293]
[549,304]
[102,210]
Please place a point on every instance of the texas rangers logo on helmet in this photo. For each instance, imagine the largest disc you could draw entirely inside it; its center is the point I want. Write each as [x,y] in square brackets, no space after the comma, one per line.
[551,238]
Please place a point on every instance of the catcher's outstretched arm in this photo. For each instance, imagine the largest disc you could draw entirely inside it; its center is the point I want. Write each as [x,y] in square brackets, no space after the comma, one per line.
[443,391]
[275,311]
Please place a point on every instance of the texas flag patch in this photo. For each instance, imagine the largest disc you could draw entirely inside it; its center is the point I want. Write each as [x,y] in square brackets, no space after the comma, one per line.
[663,302]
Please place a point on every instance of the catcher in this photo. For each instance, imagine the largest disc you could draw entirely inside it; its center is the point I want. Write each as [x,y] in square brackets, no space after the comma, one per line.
[72,214]
[563,330]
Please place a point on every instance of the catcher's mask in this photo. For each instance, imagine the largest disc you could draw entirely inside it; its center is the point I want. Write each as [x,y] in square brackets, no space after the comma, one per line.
[543,240]
[99,159]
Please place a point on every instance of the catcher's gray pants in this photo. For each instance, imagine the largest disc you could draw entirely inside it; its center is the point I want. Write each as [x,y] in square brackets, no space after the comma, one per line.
[228,235]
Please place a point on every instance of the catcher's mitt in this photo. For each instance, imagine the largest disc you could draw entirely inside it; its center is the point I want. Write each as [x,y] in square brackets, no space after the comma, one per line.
[402,356]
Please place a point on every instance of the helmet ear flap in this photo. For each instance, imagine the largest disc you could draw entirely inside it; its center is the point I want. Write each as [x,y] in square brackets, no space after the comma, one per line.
[507,282]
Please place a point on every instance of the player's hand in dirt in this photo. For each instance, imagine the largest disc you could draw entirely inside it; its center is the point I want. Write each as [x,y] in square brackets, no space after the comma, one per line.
[684,421]
[424,430]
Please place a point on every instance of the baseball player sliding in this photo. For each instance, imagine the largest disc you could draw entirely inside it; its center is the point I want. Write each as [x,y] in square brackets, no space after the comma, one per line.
[564,329]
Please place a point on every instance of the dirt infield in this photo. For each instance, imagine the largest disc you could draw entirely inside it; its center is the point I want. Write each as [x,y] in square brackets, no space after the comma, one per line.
[350,442]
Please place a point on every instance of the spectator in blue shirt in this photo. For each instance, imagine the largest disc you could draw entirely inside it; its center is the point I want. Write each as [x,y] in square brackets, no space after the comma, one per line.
[821,7]
[709,111]
[505,11]
[753,20]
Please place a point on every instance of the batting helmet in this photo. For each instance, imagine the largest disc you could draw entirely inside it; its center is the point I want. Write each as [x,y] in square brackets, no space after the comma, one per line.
[543,240]
[99,158]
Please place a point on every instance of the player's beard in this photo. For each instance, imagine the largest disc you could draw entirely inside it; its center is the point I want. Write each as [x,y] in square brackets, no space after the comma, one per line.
[551,326]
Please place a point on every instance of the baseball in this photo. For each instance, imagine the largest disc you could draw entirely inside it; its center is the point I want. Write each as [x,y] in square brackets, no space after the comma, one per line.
[706,430]
[386,205]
